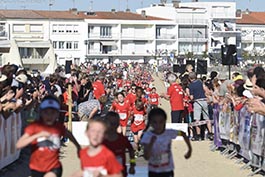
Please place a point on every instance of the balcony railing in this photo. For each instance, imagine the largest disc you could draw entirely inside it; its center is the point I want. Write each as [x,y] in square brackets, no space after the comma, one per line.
[166,36]
[139,36]
[259,38]
[32,60]
[101,36]
[194,39]
[192,21]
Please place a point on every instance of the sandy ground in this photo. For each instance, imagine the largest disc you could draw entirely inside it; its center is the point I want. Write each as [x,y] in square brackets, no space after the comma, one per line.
[203,163]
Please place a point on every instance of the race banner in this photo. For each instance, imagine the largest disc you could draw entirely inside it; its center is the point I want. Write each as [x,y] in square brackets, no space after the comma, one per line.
[224,123]
[217,138]
[257,134]
[244,132]
[235,127]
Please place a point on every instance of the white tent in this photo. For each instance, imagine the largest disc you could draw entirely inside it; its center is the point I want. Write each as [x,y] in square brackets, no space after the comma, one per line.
[117,61]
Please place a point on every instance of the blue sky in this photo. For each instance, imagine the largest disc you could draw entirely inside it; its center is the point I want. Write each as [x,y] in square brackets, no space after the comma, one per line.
[106,5]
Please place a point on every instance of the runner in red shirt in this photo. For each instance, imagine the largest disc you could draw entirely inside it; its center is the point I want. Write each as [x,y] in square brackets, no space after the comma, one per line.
[123,109]
[175,95]
[118,143]
[131,97]
[98,87]
[138,122]
[44,137]
[96,159]
[153,98]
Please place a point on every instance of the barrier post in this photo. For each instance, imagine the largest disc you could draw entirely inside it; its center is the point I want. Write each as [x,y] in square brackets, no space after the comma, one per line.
[70,103]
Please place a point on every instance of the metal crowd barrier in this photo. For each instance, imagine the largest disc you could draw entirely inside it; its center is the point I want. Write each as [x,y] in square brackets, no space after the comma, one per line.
[10,132]
[240,133]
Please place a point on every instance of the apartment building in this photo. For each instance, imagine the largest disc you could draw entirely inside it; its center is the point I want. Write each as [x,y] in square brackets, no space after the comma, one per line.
[41,39]
[127,36]
[252,27]
[201,26]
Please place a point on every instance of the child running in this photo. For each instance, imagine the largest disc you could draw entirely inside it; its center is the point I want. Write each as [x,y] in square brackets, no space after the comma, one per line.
[44,137]
[118,143]
[157,145]
[96,159]
[138,123]
[153,98]
[123,109]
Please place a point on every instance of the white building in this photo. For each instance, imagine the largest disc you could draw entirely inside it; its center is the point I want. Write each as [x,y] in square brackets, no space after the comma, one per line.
[201,26]
[26,41]
[128,36]
[39,38]
[252,27]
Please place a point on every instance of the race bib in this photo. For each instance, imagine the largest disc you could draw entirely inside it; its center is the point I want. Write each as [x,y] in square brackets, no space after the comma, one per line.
[154,99]
[158,160]
[123,116]
[138,119]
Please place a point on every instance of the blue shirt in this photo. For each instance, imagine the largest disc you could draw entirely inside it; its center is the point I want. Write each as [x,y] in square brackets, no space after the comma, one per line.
[196,90]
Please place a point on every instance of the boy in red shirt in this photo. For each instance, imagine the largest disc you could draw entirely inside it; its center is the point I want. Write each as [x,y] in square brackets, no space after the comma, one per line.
[118,143]
[123,109]
[153,98]
[44,136]
[138,122]
[96,159]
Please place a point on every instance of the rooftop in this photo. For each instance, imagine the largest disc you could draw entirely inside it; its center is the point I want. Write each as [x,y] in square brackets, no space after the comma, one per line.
[73,15]
[257,18]
[118,16]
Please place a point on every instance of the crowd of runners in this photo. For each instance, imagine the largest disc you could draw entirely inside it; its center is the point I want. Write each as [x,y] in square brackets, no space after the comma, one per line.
[114,99]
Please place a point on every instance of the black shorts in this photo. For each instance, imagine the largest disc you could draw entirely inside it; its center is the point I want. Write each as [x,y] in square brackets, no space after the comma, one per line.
[164,174]
[57,171]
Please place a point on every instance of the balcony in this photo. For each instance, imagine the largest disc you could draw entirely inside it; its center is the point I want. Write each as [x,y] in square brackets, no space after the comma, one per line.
[222,15]
[97,36]
[246,38]
[166,37]
[201,22]
[97,52]
[139,36]
[260,39]
[225,33]
[29,36]
[35,61]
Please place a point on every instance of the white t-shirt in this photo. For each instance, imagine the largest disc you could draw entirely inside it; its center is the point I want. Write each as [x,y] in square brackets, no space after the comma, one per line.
[161,159]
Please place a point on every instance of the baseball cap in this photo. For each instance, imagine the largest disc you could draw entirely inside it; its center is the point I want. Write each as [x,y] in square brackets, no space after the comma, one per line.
[49,103]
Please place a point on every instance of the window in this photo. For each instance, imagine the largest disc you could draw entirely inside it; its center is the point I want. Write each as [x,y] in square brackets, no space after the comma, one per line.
[61,44]
[76,28]
[36,28]
[61,28]
[105,31]
[18,28]
[158,31]
[54,44]
[55,28]
[68,45]
[2,30]
[69,29]
[91,46]
[75,44]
